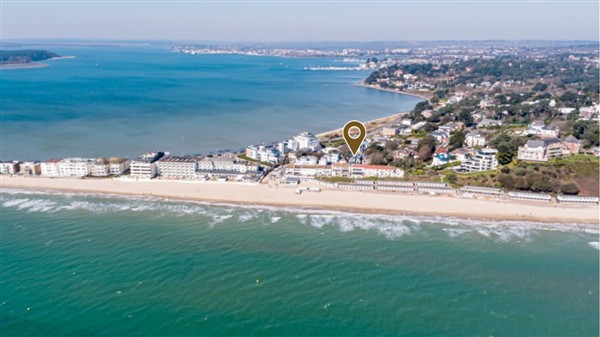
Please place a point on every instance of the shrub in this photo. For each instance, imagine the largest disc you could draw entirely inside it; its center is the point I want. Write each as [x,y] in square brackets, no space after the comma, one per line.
[569,188]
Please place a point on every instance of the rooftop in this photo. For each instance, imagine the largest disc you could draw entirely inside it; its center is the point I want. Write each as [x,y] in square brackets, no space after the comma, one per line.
[376,167]
[174,159]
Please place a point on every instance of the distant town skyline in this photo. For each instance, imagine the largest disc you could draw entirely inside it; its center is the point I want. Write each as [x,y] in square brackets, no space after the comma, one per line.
[250,21]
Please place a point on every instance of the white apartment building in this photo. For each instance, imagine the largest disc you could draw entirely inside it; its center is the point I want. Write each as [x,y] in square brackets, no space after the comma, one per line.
[226,164]
[49,168]
[307,140]
[475,139]
[145,166]
[292,145]
[441,136]
[489,122]
[263,153]
[118,166]
[308,170]
[252,152]
[340,169]
[268,155]
[30,167]
[144,169]
[482,160]
[542,150]
[75,167]
[534,150]
[104,167]
[540,129]
[101,168]
[177,167]
[380,171]
[330,158]
[9,167]
[68,167]
[306,160]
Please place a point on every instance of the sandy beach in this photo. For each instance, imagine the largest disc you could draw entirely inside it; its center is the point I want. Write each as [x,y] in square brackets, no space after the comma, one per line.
[352,201]
[369,125]
[424,96]
[28,65]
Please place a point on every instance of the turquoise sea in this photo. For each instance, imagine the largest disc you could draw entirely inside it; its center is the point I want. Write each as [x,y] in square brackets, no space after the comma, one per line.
[126,101]
[102,266]
[88,265]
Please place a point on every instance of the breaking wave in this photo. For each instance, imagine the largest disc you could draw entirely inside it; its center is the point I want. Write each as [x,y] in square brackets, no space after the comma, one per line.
[390,226]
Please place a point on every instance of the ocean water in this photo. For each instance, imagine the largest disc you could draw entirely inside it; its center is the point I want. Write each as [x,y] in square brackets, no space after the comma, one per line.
[129,100]
[85,265]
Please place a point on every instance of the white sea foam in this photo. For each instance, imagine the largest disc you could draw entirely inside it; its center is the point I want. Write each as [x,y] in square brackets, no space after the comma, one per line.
[246,217]
[347,222]
[456,232]
[14,202]
[220,218]
[391,226]
[595,244]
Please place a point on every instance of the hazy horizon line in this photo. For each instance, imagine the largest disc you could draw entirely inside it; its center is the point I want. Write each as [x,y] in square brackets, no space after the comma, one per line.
[33,39]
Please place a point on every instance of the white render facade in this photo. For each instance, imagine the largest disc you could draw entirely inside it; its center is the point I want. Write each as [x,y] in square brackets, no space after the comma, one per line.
[142,169]
[68,167]
[9,167]
[50,168]
[226,164]
[482,160]
[542,150]
[307,140]
[475,139]
[177,167]
[376,171]
[75,167]
[100,169]
[532,151]
[119,167]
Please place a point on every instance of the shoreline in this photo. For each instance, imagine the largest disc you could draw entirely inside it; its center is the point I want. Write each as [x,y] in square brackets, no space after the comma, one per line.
[32,65]
[28,65]
[361,84]
[369,125]
[382,120]
[331,200]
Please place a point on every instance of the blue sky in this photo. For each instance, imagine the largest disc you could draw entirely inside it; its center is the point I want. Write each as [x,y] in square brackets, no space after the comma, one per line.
[296,21]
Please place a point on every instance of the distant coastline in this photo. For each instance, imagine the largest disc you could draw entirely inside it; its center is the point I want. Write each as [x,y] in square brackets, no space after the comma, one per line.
[27,59]
[415,94]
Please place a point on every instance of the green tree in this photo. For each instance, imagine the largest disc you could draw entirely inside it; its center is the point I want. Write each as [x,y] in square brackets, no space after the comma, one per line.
[544,185]
[569,188]
[506,181]
[587,131]
[426,148]
[452,178]
[465,117]
[457,139]
[505,154]
[540,86]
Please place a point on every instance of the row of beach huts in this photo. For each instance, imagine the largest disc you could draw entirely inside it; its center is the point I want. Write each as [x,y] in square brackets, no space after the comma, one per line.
[439,188]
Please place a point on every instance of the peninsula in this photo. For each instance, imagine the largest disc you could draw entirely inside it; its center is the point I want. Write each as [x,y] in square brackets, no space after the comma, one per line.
[14,59]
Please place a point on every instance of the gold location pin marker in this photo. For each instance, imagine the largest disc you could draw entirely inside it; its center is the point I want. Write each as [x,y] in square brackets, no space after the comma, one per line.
[354,142]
